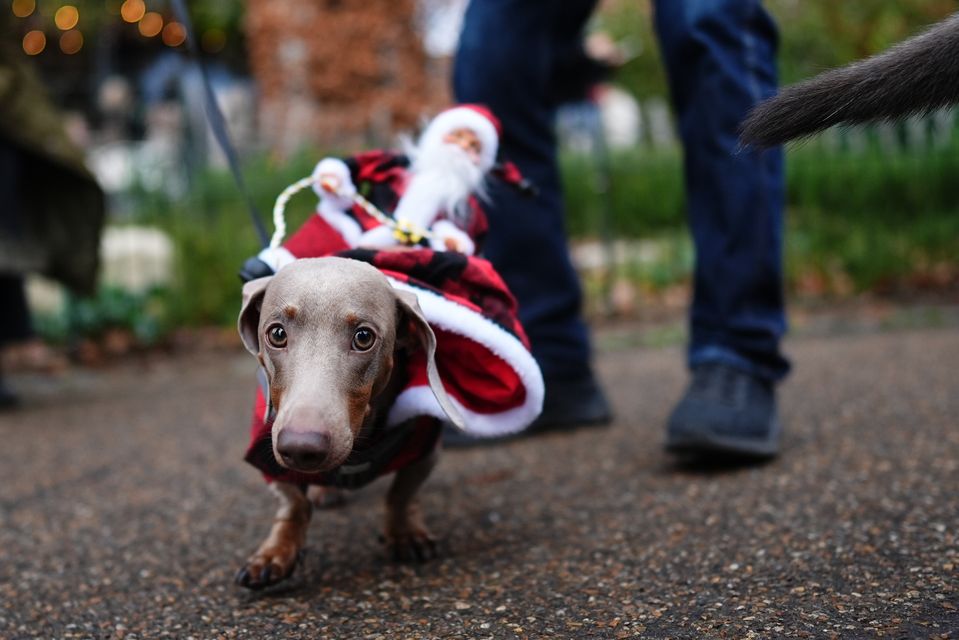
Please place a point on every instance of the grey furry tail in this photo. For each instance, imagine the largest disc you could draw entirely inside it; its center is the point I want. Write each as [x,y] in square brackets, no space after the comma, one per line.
[914,77]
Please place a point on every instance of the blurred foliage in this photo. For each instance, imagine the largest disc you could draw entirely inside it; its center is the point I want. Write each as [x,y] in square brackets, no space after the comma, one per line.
[856,220]
[94,14]
[868,218]
[814,34]
[144,315]
[112,44]
[860,219]
[213,234]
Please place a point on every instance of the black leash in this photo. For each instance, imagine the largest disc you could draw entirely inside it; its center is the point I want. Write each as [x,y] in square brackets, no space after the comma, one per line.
[217,123]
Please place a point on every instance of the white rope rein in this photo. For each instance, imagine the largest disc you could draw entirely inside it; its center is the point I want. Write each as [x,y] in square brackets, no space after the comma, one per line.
[279,207]
[402,226]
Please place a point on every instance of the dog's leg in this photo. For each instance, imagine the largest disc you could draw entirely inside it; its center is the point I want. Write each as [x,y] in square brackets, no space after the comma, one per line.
[325,497]
[406,536]
[276,556]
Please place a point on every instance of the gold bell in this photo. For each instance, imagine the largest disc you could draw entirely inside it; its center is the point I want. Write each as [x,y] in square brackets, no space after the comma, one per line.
[407,233]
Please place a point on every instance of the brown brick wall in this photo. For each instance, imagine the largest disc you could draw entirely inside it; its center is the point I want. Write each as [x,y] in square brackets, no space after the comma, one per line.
[340,73]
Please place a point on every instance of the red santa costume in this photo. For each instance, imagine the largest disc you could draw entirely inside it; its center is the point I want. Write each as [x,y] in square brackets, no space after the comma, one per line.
[482,351]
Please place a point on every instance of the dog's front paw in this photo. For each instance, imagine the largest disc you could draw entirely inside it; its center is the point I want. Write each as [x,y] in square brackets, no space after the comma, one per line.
[268,566]
[410,543]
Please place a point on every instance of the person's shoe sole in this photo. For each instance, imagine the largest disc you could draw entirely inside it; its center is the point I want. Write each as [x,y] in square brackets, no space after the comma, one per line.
[710,444]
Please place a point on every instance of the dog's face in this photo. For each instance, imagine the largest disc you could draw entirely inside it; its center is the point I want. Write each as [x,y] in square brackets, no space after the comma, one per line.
[325,332]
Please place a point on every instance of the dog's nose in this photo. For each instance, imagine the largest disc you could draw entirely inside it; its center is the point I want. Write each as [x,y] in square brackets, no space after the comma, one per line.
[303,450]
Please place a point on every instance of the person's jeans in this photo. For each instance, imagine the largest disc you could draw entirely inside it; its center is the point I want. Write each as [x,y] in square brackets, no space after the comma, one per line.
[720,60]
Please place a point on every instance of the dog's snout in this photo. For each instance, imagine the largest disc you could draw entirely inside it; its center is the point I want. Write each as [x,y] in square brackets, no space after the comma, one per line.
[303,450]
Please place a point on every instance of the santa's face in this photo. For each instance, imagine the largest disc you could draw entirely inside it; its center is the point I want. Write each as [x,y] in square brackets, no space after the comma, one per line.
[467,140]
[444,174]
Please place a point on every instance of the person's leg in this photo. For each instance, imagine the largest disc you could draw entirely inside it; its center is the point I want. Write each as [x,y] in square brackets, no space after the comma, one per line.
[15,326]
[15,323]
[720,58]
[507,51]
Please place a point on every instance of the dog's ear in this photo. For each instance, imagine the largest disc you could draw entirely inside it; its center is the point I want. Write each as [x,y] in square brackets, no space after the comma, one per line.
[248,324]
[411,308]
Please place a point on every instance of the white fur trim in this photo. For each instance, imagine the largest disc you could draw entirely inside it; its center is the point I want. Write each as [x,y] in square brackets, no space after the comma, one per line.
[464,118]
[460,320]
[346,226]
[277,257]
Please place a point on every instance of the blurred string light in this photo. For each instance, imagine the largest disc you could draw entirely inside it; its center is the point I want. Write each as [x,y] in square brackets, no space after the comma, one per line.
[71,41]
[34,42]
[132,10]
[23,8]
[151,24]
[66,17]
[173,34]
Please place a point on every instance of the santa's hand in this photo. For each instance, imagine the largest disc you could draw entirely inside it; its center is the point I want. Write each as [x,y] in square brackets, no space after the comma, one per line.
[446,236]
[379,237]
[329,183]
[332,182]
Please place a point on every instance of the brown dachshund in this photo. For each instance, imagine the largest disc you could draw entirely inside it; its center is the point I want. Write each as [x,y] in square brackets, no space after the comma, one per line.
[329,334]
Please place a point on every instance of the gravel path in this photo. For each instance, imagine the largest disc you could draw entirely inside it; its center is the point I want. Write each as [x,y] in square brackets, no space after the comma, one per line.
[125,509]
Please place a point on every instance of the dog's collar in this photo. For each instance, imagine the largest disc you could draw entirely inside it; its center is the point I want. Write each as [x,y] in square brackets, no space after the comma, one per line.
[388,450]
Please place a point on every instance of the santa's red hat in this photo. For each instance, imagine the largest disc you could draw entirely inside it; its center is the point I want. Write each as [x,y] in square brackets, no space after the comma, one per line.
[474,117]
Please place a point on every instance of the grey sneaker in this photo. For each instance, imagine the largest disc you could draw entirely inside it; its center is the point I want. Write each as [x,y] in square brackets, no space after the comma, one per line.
[725,413]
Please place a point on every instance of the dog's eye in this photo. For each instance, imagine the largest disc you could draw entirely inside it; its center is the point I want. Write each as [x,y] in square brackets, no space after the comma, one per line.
[276,336]
[363,339]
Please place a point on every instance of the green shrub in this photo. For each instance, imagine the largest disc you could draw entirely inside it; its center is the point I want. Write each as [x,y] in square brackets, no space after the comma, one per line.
[645,193]
[213,234]
[872,215]
[145,315]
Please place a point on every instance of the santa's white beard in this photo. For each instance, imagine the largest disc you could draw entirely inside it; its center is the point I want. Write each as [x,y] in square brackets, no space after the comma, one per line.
[442,179]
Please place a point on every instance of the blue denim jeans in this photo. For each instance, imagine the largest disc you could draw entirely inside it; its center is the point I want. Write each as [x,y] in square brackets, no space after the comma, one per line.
[720,59]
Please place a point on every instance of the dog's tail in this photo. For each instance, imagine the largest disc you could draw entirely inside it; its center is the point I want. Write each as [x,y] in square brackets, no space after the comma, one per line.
[914,77]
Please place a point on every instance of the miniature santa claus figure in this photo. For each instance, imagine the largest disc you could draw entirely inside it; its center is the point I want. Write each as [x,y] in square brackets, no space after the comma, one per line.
[427,197]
